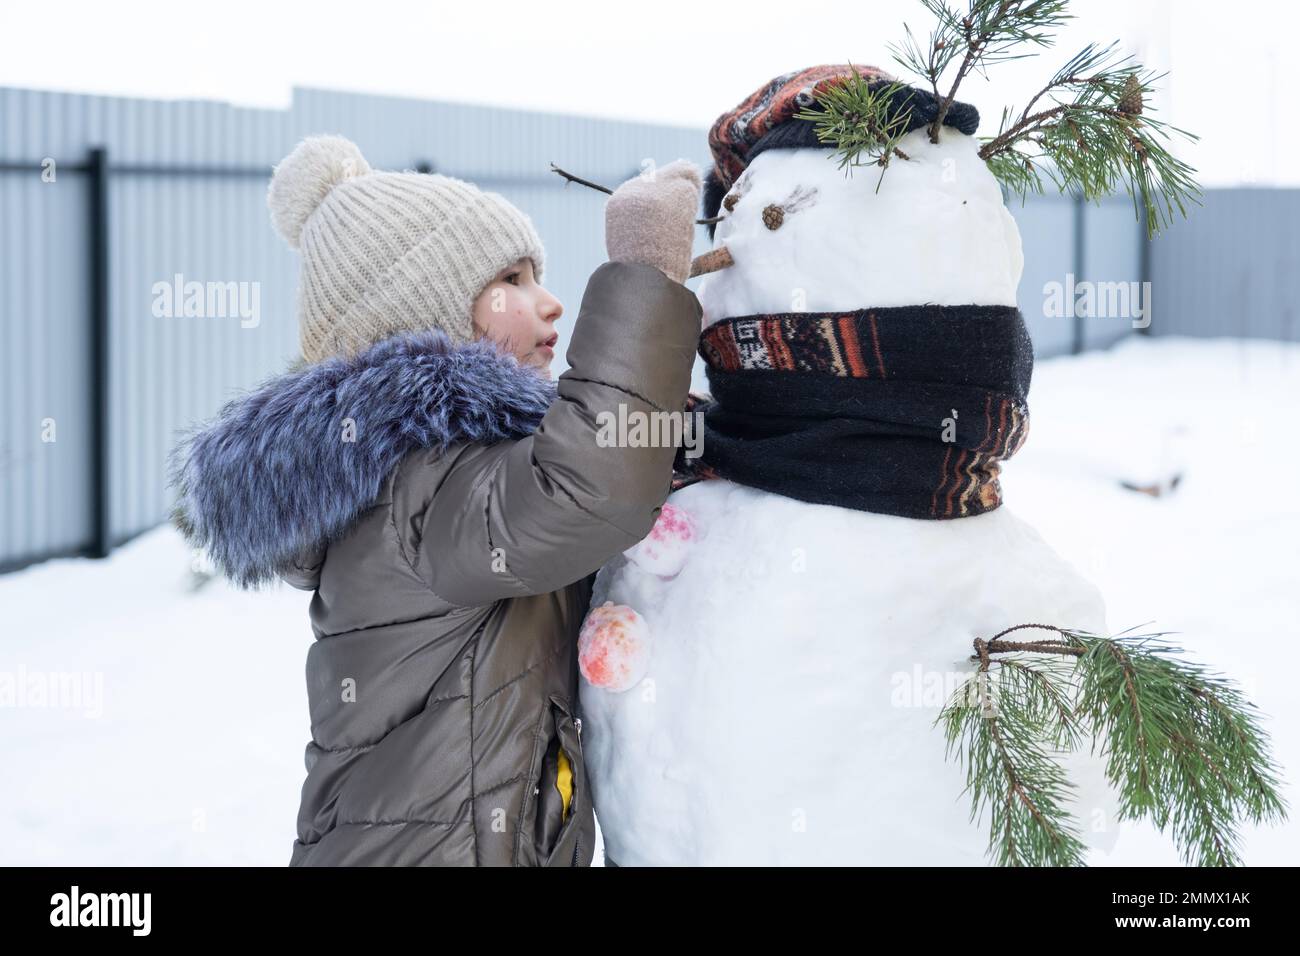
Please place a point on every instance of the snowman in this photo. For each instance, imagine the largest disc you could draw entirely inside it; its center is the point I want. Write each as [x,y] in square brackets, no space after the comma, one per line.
[762,673]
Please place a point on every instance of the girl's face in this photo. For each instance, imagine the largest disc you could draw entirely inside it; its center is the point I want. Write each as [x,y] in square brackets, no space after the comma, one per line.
[517,313]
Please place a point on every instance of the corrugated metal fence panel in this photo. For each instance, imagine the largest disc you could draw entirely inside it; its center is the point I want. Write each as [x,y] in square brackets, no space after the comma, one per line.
[1046,227]
[44,350]
[1056,265]
[1231,269]
[175,369]
[1112,261]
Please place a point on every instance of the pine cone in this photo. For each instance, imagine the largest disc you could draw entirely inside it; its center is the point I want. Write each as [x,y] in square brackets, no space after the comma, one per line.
[1130,101]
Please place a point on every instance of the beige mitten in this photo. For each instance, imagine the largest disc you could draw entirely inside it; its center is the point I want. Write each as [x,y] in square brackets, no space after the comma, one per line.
[651,219]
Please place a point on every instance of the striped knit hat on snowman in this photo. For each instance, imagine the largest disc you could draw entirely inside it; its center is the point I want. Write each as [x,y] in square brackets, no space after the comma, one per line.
[768,119]
[386,252]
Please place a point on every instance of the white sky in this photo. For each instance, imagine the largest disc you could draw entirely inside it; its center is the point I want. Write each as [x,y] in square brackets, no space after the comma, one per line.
[663,61]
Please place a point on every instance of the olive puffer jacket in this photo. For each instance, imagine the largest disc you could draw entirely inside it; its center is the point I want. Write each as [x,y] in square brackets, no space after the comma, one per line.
[449,508]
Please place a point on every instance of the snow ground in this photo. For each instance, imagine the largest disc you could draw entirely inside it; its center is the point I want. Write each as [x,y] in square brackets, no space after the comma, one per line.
[192,754]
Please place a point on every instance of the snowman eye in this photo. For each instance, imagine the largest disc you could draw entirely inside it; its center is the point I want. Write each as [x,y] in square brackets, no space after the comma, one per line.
[738,189]
[801,198]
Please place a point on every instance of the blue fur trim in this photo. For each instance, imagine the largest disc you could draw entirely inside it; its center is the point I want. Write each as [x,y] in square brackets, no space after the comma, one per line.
[272,477]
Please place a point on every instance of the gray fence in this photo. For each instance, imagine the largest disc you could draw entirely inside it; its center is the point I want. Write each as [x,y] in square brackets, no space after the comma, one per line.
[1232,269]
[1068,242]
[95,387]
[102,199]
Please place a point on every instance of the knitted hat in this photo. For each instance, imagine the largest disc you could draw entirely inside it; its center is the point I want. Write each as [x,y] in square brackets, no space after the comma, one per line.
[766,120]
[384,253]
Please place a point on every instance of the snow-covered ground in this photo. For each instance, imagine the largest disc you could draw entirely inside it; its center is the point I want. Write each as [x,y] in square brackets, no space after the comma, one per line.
[185,745]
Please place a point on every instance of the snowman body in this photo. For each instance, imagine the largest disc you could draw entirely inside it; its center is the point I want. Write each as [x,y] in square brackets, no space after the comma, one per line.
[798,654]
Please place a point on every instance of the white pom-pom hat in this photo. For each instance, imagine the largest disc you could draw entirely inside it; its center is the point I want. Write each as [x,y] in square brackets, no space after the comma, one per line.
[385,253]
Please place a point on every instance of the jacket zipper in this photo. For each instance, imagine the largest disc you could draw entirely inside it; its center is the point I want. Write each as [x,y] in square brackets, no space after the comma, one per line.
[582,776]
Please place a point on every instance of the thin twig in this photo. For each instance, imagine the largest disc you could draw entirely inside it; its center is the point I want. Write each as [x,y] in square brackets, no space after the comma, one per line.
[1042,647]
[1052,84]
[609,192]
[974,43]
[1041,627]
[995,644]
[580,181]
[1009,136]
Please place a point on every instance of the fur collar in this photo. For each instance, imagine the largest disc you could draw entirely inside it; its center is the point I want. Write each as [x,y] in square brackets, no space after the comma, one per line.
[289,466]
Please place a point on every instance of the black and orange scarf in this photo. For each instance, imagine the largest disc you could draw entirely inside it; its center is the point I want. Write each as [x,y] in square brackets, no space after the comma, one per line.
[903,411]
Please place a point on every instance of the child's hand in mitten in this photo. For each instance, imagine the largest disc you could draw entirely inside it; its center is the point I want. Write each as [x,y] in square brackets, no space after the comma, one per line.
[651,219]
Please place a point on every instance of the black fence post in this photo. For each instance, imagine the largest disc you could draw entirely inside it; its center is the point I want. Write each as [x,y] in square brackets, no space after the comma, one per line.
[101,527]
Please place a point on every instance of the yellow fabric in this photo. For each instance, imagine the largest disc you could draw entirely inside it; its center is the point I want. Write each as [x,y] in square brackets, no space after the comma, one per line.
[564,783]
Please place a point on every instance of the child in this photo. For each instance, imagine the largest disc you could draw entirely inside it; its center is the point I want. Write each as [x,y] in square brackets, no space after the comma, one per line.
[445,501]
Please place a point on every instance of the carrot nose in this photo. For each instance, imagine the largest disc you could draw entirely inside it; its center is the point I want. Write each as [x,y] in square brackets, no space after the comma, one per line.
[712,261]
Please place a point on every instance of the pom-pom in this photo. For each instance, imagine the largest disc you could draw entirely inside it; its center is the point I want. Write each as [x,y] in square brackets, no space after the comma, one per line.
[304,178]
[614,647]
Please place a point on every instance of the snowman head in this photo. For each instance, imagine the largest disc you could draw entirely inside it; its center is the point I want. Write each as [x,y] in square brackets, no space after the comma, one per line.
[806,235]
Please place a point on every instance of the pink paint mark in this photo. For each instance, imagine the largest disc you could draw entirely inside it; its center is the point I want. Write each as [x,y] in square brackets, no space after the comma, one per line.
[673,524]
[613,647]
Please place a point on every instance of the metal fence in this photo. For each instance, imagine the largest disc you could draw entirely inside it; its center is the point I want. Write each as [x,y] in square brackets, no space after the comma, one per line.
[1232,269]
[103,199]
[1068,242]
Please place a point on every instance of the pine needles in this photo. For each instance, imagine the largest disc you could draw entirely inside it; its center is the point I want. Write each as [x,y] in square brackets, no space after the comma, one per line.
[991,31]
[1005,731]
[857,121]
[1182,747]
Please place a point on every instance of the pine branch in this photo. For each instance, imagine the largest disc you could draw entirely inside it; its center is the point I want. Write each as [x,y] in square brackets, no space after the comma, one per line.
[1097,135]
[1089,129]
[1183,747]
[1002,740]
